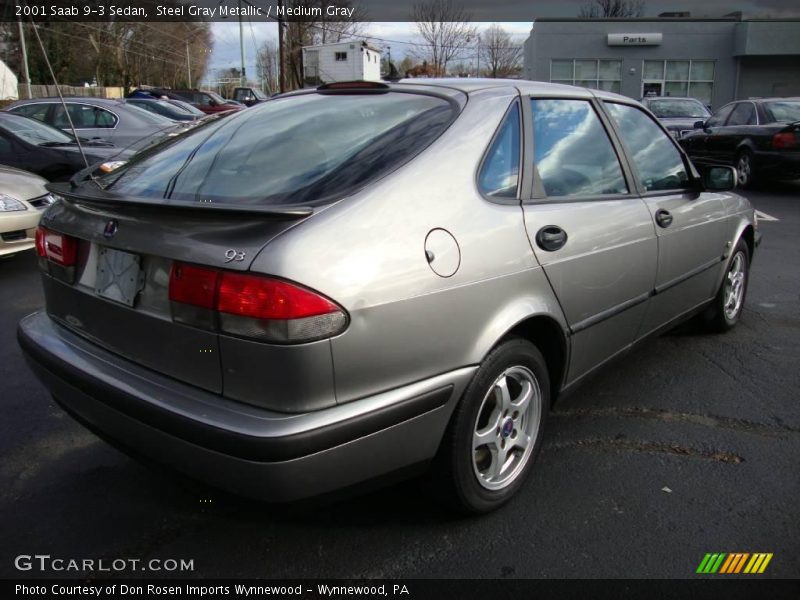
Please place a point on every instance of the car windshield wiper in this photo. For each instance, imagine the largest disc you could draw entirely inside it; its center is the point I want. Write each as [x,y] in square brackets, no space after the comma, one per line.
[53,144]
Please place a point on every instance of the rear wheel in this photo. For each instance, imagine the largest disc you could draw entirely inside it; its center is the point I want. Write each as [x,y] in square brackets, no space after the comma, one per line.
[496,431]
[745,171]
[727,307]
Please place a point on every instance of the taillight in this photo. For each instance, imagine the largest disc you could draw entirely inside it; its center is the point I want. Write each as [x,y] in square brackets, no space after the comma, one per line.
[784,140]
[57,247]
[252,306]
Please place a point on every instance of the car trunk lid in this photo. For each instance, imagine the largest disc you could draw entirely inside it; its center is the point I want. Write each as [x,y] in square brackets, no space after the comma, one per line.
[117,294]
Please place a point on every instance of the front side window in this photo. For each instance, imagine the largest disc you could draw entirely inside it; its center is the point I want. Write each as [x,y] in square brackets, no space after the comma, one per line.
[34,111]
[499,175]
[300,150]
[719,118]
[84,116]
[655,157]
[572,151]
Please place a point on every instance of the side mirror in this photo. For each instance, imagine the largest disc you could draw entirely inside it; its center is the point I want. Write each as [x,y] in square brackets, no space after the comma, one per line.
[212,102]
[699,124]
[719,179]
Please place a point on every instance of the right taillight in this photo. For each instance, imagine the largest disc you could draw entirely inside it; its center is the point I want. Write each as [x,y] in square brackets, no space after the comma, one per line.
[781,141]
[252,306]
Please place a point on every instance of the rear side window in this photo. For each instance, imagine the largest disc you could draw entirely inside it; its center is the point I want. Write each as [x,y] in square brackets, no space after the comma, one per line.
[572,151]
[655,157]
[83,116]
[499,175]
[743,114]
[301,150]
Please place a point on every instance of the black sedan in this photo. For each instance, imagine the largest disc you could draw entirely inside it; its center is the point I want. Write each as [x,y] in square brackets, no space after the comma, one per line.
[761,138]
[34,146]
[678,115]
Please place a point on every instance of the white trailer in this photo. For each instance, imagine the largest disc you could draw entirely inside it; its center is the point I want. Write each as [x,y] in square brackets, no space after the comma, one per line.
[343,61]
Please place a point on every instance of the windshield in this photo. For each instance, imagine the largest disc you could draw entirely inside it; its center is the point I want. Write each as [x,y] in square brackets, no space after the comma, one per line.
[217,98]
[300,150]
[785,110]
[689,109]
[34,132]
[186,107]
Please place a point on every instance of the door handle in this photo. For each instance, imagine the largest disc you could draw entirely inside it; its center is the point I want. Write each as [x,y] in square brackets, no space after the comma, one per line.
[663,218]
[551,238]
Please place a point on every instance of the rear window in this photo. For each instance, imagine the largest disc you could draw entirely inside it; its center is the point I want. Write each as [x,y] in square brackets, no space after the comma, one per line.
[306,149]
[671,109]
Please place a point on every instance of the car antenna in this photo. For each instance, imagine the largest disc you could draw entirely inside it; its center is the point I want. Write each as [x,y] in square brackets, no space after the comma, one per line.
[63,104]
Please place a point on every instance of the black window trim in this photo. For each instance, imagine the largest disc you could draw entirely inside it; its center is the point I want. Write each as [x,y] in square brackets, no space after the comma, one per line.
[641,191]
[538,194]
[514,201]
[53,105]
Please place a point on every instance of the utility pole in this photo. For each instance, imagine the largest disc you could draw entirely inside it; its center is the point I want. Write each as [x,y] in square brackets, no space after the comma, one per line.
[188,64]
[281,61]
[24,59]
[243,74]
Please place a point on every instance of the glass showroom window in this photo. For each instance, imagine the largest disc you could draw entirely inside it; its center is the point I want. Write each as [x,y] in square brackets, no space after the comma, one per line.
[691,78]
[591,73]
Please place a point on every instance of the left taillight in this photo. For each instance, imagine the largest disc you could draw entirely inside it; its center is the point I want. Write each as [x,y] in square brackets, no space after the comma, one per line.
[252,306]
[56,247]
[784,140]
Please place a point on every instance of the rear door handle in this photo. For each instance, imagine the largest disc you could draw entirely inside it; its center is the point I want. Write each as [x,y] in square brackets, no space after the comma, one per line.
[663,218]
[551,238]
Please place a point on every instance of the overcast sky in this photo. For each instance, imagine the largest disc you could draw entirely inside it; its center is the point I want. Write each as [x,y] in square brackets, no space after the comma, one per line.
[509,13]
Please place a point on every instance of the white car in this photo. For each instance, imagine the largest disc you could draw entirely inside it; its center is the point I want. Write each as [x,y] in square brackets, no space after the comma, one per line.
[23,198]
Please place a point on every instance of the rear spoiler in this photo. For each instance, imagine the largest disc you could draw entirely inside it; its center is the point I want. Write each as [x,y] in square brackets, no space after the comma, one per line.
[96,195]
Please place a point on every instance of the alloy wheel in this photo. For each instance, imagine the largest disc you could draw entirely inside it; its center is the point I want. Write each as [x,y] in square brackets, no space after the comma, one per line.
[506,428]
[734,287]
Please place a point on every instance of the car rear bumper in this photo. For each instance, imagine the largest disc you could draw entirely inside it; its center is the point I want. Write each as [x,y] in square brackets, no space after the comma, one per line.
[781,165]
[241,448]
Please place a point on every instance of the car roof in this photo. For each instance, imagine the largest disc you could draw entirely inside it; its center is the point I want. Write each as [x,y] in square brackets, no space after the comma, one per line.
[83,99]
[648,98]
[469,85]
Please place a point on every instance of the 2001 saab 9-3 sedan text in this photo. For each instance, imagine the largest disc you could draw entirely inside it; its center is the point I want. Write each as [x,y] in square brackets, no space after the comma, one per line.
[348,282]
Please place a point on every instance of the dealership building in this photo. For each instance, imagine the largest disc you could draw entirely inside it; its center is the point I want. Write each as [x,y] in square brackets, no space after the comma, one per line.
[714,60]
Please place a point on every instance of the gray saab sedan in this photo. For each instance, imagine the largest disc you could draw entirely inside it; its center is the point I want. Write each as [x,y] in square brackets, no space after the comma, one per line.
[366,279]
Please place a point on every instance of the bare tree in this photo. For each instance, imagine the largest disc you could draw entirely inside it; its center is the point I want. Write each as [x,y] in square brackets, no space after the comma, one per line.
[267,58]
[599,9]
[499,53]
[445,29]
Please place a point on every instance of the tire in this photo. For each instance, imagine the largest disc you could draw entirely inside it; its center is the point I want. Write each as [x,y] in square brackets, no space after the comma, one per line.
[745,170]
[472,475]
[726,309]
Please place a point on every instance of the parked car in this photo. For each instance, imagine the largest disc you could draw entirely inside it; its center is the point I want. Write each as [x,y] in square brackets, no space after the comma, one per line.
[112,121]
[761,138]
[33,146]
[190,108]
[249,96]
[362,279]
[208,102]
[23,197]
[677,114]
[165,109]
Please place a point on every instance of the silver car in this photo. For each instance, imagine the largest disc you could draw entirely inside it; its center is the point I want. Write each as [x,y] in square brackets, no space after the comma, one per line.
[113,121]
[367,279]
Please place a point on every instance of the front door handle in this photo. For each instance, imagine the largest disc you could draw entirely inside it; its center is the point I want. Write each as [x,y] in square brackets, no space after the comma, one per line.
[663,218]
[551,238]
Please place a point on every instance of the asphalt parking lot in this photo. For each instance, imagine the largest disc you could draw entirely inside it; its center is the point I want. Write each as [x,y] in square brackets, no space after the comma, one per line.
[687,446]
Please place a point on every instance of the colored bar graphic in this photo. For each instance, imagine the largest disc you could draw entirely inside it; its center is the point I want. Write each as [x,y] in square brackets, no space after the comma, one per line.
[734,563]
[703,563]
[765,563]
[741,562]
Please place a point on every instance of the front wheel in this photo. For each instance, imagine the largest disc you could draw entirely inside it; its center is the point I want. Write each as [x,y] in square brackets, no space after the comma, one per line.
[496,430]
[745,171]
[728,304]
